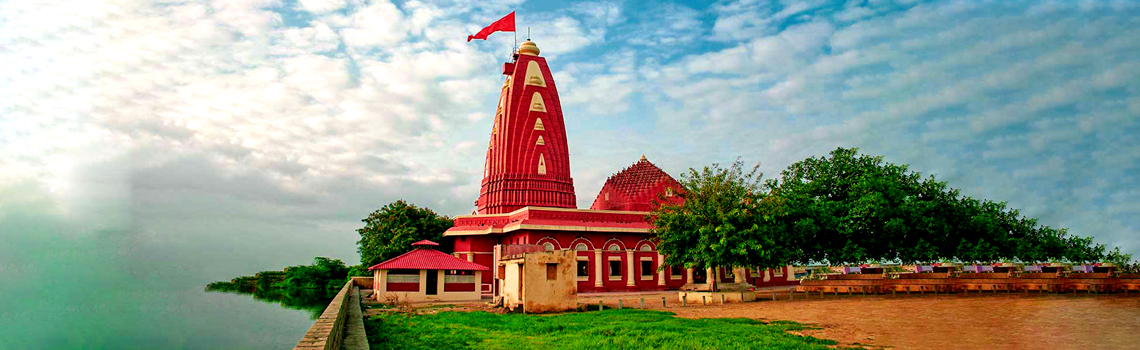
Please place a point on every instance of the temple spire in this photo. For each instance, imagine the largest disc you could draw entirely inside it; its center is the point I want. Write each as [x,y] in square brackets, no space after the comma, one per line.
[528,162]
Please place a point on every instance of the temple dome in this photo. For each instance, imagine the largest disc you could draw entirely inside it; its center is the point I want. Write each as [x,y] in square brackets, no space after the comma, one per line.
[528,48]
[635,188]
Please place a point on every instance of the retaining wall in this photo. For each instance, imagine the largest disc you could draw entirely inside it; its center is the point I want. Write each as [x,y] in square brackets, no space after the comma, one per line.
[967,282]
[327,332]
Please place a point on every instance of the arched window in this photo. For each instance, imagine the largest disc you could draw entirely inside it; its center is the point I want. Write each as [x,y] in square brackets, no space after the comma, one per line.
[646,248]
[581,247]
[614,247]
[548,246]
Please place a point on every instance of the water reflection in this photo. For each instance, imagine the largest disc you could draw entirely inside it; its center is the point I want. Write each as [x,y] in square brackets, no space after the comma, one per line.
[312,300]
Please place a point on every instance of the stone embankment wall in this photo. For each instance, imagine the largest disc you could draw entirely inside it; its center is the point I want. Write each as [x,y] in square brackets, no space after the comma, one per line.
[328,332]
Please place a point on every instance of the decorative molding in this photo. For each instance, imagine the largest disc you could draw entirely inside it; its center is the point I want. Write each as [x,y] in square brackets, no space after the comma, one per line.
[536,104]
[534,74]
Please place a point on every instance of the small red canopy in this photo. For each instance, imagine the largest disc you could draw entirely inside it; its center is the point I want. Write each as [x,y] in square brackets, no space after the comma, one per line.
[425,243]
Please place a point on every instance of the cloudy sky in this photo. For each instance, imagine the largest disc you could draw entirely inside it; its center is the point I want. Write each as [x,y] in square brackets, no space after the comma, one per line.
[209,139]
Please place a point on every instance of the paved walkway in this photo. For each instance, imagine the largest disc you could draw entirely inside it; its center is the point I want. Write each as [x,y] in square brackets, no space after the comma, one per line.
[354,335]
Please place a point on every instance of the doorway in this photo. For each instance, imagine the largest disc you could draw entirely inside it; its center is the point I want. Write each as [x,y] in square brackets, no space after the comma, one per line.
[432,282]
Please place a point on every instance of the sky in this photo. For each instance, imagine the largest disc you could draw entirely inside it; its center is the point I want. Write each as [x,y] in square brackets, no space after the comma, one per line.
[180,142]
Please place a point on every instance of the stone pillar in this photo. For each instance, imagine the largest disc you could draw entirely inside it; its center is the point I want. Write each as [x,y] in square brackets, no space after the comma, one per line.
[598,276]
[739,274]
[711,277]
[423,282]
[478,283]
[439,282]
[660,269]
[688,275]
[630,275]
[381,287]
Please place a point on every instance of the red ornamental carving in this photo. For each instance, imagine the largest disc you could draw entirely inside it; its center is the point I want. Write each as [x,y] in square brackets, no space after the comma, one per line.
[519,170]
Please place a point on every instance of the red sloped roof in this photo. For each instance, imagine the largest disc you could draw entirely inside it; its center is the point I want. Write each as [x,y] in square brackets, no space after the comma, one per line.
[637,178]
[427,259]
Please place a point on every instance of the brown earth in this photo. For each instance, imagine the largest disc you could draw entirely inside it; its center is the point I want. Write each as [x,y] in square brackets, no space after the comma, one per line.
[957,321]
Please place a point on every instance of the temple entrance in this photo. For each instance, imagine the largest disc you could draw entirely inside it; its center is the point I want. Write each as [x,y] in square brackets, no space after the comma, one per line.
[432,282]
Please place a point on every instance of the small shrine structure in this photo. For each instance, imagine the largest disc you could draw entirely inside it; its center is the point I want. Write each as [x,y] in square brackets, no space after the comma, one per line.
[426,274]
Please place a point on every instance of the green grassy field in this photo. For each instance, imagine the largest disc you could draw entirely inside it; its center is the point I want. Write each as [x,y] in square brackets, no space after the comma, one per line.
[610,329]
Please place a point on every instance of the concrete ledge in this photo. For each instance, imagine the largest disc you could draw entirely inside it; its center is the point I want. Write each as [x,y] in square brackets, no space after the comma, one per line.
[716,297]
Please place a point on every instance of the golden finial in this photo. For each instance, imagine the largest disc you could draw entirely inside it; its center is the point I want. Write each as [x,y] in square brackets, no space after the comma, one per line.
[528,48]
[643,158]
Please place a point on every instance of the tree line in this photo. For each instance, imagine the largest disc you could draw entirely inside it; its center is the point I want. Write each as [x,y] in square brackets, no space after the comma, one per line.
[848,208]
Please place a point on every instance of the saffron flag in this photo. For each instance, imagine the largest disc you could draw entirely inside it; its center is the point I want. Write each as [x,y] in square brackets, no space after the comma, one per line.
[505,24]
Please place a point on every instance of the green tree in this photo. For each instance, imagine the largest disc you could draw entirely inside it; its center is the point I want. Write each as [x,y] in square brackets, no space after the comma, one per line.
[850,208]
[719,223]
[325,276]
[390,231]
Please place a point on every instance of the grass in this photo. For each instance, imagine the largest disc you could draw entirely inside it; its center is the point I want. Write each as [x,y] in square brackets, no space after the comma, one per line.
[610,329]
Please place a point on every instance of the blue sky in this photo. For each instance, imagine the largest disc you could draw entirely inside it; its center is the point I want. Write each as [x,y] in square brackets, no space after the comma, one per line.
[248,135]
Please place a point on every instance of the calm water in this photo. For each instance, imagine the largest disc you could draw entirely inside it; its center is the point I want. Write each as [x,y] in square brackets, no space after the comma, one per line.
[191,319]
[59,292]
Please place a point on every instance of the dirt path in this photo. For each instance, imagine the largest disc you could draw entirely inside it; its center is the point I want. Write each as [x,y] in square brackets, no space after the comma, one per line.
[939,322]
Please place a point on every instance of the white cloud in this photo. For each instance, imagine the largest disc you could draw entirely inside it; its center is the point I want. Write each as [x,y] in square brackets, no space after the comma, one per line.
[322,6]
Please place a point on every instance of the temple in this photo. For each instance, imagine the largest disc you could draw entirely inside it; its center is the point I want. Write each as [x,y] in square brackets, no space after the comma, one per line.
[527,199]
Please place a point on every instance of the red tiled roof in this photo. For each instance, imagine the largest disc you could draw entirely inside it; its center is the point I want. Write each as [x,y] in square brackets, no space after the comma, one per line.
[637,178]
[425,243]
[427,259]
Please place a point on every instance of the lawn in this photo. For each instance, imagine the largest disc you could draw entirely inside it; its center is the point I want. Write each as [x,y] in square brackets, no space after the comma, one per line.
[610,329]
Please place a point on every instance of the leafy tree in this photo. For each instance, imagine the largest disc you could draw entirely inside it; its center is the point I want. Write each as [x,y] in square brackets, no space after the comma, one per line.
[325,275]
[850,208]
[719,222]
[390,231]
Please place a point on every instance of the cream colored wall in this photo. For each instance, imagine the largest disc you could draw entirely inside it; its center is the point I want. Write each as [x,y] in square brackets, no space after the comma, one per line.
[542,295]
[381,293]
[512,273]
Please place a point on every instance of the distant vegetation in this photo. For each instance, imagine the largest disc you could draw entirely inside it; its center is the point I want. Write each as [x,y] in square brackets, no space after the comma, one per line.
[306,287]
[611,329]
[850,208]
[390,231]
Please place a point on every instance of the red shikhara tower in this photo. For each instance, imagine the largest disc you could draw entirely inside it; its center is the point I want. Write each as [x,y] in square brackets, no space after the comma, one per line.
[527,200]
[528,161]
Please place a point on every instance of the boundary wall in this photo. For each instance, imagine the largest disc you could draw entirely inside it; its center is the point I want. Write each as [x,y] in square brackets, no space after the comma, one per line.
[328,332]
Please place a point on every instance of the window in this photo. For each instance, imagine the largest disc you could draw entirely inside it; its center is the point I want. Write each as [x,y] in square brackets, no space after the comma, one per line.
[646,268]
[551,271]
[675,272]
[581,247]
[778,272]
[646,248]
[615,268]
[583,268]
[614,247]
[548,246]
